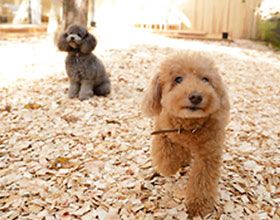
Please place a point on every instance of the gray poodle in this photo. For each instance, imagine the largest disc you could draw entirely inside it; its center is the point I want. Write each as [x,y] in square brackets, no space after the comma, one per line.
[85,71]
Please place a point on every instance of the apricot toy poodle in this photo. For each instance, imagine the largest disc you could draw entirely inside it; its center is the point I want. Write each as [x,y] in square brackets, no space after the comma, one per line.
[190,107]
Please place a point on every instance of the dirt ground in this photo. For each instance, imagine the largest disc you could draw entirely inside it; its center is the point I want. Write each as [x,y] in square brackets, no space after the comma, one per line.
[66,159]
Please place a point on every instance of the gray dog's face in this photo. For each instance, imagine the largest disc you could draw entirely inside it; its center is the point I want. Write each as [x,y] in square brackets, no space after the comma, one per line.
[75,34]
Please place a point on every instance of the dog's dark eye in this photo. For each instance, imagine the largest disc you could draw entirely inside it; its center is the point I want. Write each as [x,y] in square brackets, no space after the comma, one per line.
[79,35]
[178,79]
[205,79]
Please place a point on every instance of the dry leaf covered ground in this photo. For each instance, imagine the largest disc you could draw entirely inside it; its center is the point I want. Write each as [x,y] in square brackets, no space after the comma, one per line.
[66,159]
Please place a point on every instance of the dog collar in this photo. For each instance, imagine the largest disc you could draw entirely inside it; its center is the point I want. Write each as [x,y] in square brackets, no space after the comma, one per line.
[178,130]
[181,130]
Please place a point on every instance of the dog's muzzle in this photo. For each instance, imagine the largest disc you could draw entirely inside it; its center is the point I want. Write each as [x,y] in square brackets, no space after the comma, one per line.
[73,38]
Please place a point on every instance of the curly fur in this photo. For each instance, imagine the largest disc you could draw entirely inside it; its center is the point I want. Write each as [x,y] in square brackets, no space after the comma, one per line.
[85,71]
[170,101]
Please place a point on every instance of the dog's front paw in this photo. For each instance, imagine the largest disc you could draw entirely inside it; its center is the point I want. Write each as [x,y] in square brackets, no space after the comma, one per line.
[73,90]
[164,168]
[85,95]
[72,95]
[199,206]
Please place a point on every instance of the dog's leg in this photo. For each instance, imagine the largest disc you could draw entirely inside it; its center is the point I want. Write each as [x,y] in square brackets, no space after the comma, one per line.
[202,188]
[73,89]
[186,157]
[86,90]
[167,157]
[103,89]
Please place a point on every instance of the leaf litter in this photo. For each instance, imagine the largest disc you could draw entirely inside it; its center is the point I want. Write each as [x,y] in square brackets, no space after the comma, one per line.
[66,159]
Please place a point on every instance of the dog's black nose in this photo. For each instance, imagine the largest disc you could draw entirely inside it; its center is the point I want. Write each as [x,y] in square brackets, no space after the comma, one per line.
[195,98]
[72,38]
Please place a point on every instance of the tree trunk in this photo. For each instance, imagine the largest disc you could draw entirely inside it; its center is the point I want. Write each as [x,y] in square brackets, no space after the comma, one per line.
[29,12]
[22,14]
[54,16]
[35,11]
[92,14]
[75,12]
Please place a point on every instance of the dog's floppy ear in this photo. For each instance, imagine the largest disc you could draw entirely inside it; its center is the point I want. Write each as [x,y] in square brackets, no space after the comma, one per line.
[225,104]
[225,101]
[88,43]
[62,43]
[151,105]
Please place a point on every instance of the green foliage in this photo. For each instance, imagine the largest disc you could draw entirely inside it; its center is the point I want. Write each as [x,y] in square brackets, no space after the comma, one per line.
[270,30]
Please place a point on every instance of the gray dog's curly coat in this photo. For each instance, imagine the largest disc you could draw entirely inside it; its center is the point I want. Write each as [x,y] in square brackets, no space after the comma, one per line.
[85,71]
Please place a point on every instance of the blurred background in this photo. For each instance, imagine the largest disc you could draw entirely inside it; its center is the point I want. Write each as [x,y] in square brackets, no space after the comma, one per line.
[208,19]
